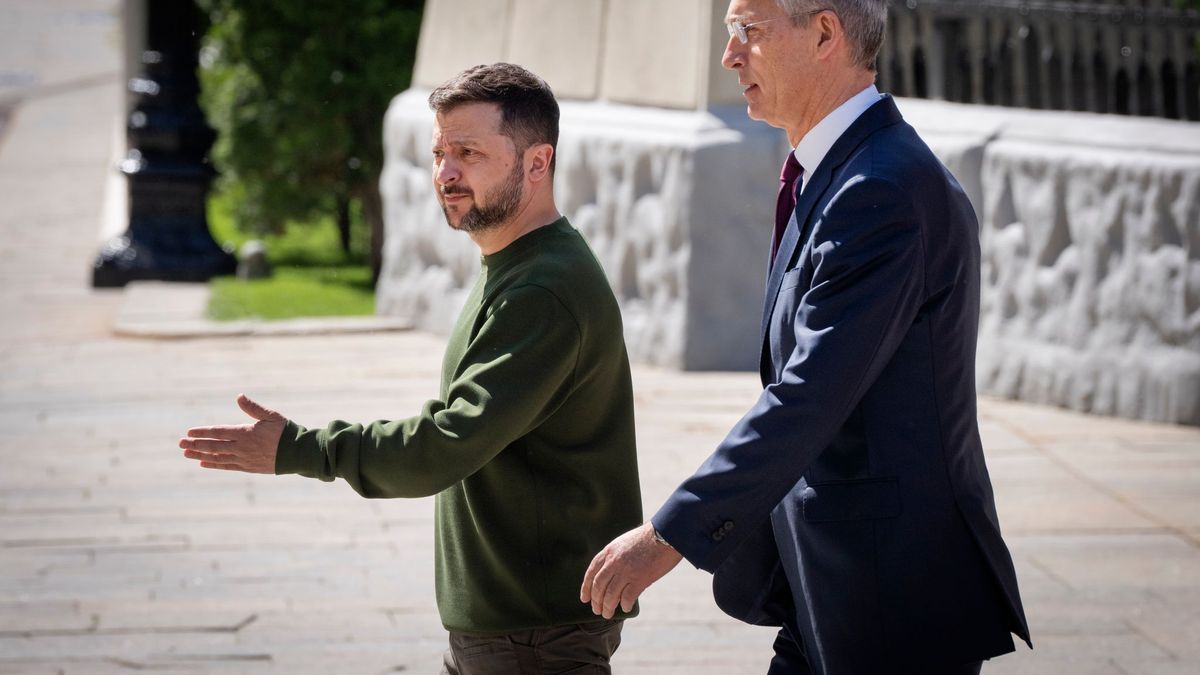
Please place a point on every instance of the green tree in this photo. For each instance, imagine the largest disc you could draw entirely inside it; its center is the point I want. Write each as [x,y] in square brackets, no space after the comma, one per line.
[297,92]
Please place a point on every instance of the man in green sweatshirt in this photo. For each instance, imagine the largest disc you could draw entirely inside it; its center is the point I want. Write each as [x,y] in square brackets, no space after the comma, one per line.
[530,445]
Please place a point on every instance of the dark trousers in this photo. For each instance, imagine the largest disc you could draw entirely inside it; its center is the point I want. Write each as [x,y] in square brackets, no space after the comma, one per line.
[577,649]
[789,659]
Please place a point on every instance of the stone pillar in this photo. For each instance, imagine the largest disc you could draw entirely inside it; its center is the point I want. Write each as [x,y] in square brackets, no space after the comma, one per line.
[166,165]
[658,167]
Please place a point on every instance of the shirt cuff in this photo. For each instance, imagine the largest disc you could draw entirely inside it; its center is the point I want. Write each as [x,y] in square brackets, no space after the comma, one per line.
[298,451]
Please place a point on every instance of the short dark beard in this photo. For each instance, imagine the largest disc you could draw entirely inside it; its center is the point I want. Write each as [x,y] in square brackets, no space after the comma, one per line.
[502,203]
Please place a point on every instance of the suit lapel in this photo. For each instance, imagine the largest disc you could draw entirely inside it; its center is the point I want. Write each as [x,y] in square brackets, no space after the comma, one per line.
[791,237]
[881,114]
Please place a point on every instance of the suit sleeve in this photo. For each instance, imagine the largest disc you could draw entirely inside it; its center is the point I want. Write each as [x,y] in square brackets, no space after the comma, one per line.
[868,268]
[516,371]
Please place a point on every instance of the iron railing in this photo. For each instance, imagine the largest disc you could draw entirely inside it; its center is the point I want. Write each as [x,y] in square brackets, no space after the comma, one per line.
[1130,58]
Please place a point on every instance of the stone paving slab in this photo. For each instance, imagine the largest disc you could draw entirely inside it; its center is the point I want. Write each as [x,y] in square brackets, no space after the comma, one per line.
[1106,587]
[117,555]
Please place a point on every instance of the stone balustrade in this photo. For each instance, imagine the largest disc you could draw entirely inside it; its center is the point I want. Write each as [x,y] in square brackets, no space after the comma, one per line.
[1090,230]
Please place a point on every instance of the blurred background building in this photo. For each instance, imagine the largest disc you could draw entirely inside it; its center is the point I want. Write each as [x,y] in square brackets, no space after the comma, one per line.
[1071,126]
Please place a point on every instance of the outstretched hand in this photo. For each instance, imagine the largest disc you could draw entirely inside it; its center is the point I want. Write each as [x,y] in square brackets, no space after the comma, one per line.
[246,447]
[623,569]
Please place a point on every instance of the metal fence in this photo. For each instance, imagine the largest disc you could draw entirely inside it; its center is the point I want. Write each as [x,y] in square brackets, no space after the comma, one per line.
[1129,58]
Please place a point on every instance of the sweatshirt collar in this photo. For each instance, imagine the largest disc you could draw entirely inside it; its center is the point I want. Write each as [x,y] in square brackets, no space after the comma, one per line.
[524,243]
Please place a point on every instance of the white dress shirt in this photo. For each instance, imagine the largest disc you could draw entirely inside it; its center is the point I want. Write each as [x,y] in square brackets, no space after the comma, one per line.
[816,143]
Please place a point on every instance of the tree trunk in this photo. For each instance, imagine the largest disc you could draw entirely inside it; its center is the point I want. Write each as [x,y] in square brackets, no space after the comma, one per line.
[343,222]
[372,210]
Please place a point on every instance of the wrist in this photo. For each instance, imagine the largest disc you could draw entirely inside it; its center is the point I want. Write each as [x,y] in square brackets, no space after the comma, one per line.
[659,539]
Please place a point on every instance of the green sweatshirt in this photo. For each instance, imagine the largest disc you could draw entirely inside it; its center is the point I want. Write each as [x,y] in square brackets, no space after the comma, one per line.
[530,448]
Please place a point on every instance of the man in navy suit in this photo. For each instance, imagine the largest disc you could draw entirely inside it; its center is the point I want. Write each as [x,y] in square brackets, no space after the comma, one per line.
[851,506]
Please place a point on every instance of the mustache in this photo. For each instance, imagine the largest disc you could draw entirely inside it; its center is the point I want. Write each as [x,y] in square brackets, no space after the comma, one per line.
[457,190]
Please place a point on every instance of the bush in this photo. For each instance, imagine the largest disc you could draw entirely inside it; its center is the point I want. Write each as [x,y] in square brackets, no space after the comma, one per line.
[297,92]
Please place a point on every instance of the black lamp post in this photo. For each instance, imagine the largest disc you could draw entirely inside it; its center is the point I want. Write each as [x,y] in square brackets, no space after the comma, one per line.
[167,165]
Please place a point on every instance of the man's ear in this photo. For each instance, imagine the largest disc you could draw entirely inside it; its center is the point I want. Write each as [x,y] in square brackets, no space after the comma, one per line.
[829,33]
[537,161]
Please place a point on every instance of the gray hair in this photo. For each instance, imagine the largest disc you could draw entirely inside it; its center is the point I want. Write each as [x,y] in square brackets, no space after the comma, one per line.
[863,20]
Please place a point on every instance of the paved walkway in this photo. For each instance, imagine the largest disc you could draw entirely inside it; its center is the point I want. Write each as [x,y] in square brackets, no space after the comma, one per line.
[117,555]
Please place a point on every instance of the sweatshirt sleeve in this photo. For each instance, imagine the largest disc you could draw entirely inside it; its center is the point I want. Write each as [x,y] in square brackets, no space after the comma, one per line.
[515,372]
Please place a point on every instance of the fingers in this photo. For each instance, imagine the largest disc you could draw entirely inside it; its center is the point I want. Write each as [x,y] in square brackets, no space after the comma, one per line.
[253,409]
[220,457]
[216,460]
[223,466]
[224,432]
[612,597]
[605,590]
[585,591]
[599,588]
[224,461]
[208,444]
[630,596]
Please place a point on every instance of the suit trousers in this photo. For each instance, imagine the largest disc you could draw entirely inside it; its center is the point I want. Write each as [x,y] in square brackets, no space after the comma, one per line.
[572,649]
[789,659]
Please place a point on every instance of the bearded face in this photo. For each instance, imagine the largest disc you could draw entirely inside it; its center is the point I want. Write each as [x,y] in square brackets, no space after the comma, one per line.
[498,206]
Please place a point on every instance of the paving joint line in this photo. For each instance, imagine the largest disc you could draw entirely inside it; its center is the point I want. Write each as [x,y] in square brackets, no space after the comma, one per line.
[94,629]
[1150,638]
[40,91]
[1179,532]
[1046,569]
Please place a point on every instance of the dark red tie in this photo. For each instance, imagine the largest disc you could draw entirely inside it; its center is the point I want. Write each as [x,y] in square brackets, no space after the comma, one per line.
[787,199]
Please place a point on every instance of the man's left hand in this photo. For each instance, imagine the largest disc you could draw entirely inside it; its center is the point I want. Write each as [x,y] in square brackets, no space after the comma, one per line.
[623,569]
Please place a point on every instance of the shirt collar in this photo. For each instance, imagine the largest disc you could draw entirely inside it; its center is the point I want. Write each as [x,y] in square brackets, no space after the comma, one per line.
[811,149]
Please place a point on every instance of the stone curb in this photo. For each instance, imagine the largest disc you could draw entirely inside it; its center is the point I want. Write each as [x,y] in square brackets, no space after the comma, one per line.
[163,310]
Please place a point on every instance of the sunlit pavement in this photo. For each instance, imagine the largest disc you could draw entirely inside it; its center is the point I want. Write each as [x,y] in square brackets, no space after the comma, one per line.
[116,554]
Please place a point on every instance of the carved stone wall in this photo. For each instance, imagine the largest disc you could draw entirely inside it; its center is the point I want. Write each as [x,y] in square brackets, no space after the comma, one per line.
[1090,224]
[1090,229]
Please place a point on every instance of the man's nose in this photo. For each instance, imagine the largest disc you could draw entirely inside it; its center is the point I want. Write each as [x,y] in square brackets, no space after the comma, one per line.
[446,172]
[732,58]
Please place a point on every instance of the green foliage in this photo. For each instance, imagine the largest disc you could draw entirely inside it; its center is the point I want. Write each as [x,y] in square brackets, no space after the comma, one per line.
[297,92]
[313,276]
[312,244]
[294,292]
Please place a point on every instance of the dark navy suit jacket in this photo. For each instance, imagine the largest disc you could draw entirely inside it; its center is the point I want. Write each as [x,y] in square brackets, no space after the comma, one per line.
[852,503]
